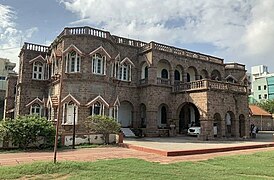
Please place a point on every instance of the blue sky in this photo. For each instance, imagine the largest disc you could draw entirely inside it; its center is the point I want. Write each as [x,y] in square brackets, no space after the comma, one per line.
[236,30]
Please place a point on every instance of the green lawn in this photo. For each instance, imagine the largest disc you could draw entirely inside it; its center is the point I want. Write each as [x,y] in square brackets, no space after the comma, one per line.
[255,166]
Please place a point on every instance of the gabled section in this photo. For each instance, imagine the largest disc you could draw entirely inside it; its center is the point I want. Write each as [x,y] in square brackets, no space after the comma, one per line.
[116,102]
[98,98]
[100,50]
[117,58]
[39,58]
[73,47]
[126,59]
[36,100]
[69,98]
[231,77]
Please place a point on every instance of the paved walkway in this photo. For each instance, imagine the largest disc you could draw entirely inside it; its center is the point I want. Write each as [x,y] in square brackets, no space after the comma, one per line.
[93,154]
[177,143]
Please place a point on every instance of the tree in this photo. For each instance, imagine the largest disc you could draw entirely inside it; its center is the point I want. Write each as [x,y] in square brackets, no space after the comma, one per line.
[267,105]
[103,125]
[25,130]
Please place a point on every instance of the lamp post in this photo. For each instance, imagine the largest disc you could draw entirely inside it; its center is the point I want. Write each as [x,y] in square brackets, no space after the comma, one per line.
[73,135]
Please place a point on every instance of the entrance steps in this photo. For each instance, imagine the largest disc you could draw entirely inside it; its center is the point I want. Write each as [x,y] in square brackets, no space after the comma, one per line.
[127,132]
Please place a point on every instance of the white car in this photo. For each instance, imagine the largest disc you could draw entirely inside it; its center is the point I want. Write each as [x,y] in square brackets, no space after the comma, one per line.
[194,131]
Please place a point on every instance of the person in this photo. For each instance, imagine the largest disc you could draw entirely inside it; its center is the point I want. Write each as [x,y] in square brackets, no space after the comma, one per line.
[254,131]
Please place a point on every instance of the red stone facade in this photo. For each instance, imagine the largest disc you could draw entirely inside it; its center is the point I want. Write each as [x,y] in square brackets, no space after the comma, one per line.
[146,86]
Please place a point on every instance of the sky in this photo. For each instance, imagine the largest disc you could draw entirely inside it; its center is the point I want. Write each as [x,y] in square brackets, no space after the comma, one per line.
[236,30]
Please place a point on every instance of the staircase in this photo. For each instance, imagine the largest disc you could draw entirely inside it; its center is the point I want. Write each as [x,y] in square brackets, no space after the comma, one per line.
[127,132]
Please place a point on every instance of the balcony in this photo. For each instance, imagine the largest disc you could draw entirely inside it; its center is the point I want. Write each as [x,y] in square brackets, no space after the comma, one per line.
[209,85]
[143,81]
[163,81]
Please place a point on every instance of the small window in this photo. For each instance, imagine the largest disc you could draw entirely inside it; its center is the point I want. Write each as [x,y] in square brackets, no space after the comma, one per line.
[260,96]
[98,64]
[265,96]
[38,71]
[73,60]
[97,109]
[264,87]
[2,78]
[259,87]
[35,109]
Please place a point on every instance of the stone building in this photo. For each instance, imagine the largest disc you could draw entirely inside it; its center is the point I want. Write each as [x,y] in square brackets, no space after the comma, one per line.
[143,85]
[6,68]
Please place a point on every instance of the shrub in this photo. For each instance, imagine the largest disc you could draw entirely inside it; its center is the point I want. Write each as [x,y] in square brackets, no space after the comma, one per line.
[26,130]
[103,125]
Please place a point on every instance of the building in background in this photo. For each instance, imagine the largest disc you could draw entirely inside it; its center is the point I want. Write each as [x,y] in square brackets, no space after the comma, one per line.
[6,68]
[262,84]
[261,118]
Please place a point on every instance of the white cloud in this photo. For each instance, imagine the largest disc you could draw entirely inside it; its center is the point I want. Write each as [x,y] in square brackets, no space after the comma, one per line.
[10,37]
[242,30]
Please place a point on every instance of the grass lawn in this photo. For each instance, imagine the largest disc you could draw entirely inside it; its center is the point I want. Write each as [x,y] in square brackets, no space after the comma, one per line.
[255,166]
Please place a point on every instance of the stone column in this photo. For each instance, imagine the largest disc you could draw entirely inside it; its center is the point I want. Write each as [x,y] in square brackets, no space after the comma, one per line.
[151,128]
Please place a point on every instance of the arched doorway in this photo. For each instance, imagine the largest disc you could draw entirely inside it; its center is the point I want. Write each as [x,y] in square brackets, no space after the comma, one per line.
[217,125]
[188,116]
[230,124]
[143,115]
[242,125]
[125,114]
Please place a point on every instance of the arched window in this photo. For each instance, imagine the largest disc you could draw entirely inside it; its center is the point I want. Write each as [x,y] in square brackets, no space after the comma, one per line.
[146,72]
[125,72]
[163,115]
[164,74]
[36,109]
[177,75]
[70,112]
[98,64]
[187,77]
[73,60]
[38,71]
[97,109]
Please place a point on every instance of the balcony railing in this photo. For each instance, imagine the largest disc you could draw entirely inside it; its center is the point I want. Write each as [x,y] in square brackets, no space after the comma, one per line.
[163,81]
[143,81]
[209,85]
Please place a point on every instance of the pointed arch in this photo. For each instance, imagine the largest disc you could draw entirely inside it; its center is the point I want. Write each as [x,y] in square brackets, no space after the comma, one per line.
[231,78]
[39,58]
[68,98]
[73,47]
[100,50]
[98,98]
[36,100]
[126,59]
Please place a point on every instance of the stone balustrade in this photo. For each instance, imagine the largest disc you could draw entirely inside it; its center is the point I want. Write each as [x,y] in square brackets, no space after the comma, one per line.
[35,47]
[209,85]
[163,81]
[181,52]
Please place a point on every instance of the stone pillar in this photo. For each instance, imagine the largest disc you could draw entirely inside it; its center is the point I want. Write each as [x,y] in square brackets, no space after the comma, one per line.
[171,77]
[206,129]
[152,75]
[151,128]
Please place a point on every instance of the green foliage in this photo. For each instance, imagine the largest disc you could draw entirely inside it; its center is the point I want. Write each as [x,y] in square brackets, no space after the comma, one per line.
[3,130]
[102,125]
[267,105]
[26,130]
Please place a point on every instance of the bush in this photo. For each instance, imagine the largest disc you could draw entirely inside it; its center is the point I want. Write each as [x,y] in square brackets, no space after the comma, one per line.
[103,125]
[25,130]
